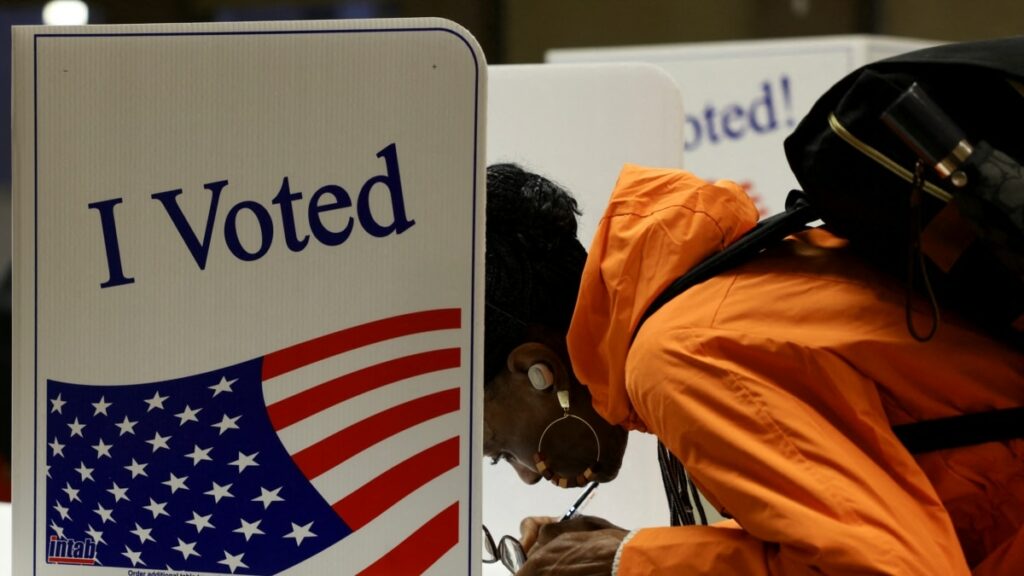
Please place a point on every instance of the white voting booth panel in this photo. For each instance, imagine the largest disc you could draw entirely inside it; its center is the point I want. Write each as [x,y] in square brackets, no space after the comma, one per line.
[248,288]
[577,125]
[743,98]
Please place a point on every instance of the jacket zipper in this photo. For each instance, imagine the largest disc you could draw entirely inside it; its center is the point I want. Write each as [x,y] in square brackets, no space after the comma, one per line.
[882,159]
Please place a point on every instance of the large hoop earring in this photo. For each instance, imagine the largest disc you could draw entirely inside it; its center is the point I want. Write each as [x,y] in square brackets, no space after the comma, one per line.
[545,470]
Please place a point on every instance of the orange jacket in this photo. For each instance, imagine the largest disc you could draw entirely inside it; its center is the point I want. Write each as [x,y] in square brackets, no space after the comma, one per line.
[777,383]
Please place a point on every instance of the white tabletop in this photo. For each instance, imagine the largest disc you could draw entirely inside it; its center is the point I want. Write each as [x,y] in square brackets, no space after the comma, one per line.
[5,539]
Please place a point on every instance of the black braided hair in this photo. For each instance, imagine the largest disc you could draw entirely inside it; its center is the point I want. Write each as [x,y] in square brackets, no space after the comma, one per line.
[533,260]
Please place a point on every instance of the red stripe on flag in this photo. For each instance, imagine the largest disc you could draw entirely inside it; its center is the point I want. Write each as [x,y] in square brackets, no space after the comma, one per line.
[77,561]
[299,355]
[321,397]
[344,444]
[421,549]
[372,499]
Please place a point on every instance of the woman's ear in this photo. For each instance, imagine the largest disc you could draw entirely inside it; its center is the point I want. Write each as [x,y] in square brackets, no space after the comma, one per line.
[541,365]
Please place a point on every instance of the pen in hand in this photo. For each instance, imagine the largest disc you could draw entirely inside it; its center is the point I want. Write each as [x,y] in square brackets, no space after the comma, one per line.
[571,512]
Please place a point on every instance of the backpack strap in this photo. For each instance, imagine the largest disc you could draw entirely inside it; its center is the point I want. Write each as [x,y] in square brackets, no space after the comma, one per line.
[918,437]
[962,430]
[767,232]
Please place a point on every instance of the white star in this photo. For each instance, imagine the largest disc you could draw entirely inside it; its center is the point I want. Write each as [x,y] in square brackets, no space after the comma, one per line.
[57,529]
[119,493]
[175,483]
[105,515]
[76,428]
[137,469]
[127,426]
[62,511]
[186,548]
[200,522]
[188,415]
[232,561]
[226,424]
[223,386]
[268,497]
[199,454]
[57,447]
[245,460]
[48,471]
[85,472]
[57,405]
[219,492]
[102,449]
[159,442]
[71,492]
[96,535]
[135,557]
[142,533]
[156,402]
[101,406]
[157,508]
[300,533]
[249,529]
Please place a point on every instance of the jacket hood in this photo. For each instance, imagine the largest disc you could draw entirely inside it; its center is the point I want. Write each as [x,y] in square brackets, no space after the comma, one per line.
[658,224]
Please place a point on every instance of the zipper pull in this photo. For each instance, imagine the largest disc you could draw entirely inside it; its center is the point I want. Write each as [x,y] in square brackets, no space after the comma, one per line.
[915,260]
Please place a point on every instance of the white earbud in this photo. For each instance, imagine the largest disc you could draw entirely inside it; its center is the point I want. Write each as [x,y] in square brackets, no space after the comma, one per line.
[540,376]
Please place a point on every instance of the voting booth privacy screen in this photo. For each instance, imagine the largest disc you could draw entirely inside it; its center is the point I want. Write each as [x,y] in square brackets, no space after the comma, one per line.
[248,264]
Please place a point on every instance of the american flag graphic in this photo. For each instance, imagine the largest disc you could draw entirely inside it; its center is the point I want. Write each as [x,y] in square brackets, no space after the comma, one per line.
[262,465]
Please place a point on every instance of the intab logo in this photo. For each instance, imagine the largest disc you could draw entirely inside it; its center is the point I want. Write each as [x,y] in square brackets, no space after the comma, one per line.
[67,551]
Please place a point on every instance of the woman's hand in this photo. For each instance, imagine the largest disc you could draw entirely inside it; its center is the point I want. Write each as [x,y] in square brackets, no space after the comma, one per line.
[529,530]
[582,546]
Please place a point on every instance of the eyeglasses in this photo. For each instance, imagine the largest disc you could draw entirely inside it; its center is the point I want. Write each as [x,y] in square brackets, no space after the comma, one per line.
[508,550]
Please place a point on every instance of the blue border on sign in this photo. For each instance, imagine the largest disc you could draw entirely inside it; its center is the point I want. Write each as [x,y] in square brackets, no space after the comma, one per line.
[35,231]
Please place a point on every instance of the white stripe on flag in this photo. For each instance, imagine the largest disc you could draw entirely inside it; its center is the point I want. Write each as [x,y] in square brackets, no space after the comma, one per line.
[350,475]
[380,536]
[312,375]
[307,432]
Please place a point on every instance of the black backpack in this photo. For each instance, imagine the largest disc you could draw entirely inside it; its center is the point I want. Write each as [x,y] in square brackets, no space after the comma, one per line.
[900,156]
[916,160]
